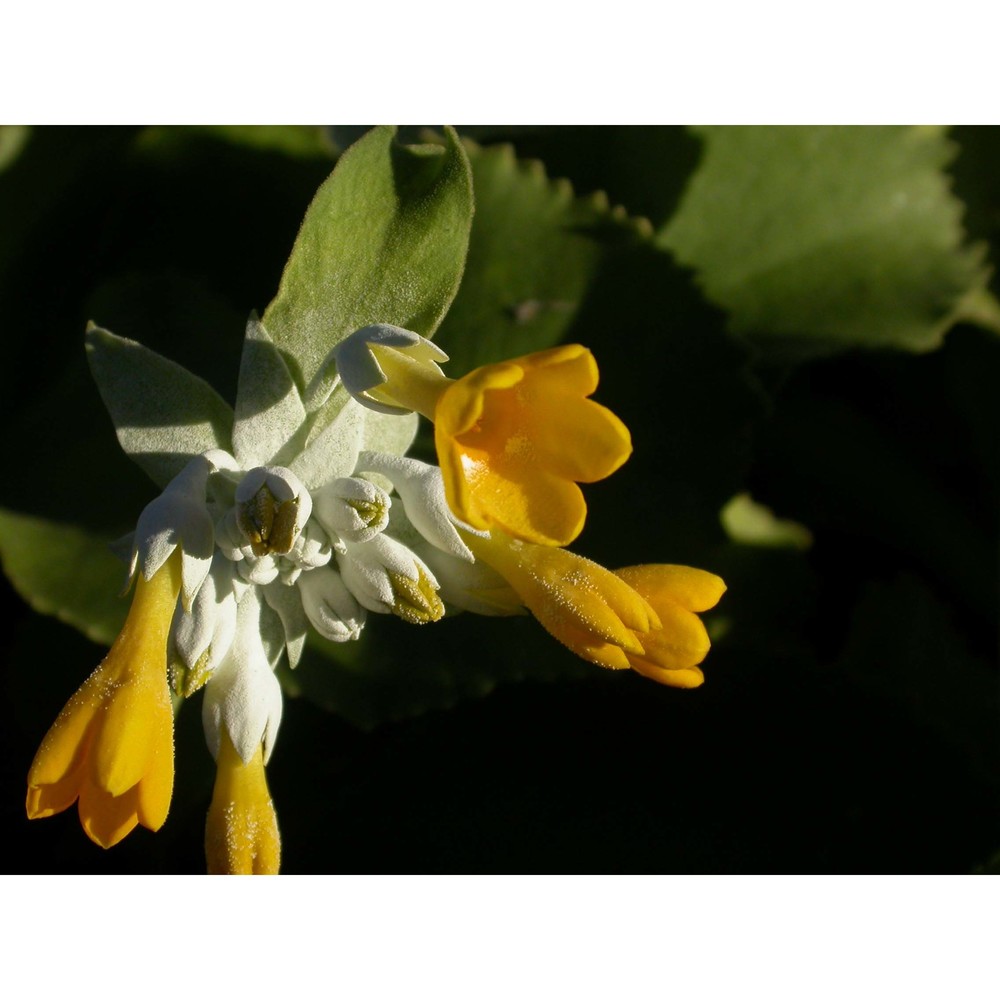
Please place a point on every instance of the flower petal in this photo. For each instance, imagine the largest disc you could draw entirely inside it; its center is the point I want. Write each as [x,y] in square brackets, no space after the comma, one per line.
[579,602]
[571,365]
[682,642]
[514,438]
[116,733]
[106,818]
[523,499]
[694,589]
[241,831]
[50,797]
[601,443]
[590,647]
[66,744]
[689,677]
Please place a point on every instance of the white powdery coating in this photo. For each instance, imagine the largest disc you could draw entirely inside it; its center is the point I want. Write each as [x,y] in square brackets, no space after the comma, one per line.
[282,484]
[367,570]
[359,370]
[243,694]
[330,606]
[473,587]
[211,622]
[336,505]
[178,516]
[312,548]
[421,489]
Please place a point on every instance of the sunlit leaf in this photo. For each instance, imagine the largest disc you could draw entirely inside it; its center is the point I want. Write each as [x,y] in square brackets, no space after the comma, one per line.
[533,249]
[162,413]
[289,140]
[751,523]
[384,241]
[12,141]
[817,239]
[269,410]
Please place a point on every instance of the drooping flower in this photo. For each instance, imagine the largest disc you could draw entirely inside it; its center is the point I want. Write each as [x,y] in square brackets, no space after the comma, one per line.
[241,714]
[640,617]
[677,594]
[241,830]
[513,439]
[112,746]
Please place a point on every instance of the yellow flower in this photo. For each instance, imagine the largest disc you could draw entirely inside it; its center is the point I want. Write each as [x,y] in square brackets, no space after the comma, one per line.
[513,439]
[241,832]
[641,617]
[672,652]
[112,745]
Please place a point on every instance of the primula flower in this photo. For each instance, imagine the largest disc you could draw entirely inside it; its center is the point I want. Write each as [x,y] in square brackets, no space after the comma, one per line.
[672,652]
[640,617]
[241,831]
[513,439]
[112,746]
[241,714]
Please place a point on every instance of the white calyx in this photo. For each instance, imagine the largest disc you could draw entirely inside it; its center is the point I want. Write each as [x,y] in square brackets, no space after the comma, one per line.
[360,371]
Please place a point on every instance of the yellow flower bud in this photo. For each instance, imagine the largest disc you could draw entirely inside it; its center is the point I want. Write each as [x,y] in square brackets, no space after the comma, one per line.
[241,831]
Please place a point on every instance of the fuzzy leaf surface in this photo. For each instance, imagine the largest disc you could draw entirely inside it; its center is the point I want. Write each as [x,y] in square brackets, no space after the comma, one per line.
[384,241]
[163,414]
[819,239]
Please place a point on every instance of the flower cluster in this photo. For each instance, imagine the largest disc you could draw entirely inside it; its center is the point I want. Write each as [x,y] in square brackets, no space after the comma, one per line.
[307,525]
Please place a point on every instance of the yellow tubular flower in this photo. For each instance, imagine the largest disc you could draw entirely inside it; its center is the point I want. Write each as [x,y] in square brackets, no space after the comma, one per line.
[241,832]
[112,745]
[583,605]
[641,617]
[513,439]
[671,654]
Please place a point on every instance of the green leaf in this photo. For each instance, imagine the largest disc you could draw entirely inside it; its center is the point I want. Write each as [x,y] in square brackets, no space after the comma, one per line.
[751,523]
[269,410]
[384,241]
[387,433]
[818,239]
[12,141]
[644,168]
[162,413]
[300,141]
[333,452]
[533,249]
[62,571]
